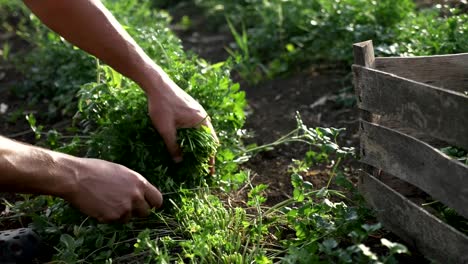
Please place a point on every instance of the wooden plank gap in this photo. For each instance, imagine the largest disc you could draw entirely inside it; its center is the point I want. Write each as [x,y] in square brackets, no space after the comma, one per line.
[414,225]
[442,114]
[444,71]
[418,163]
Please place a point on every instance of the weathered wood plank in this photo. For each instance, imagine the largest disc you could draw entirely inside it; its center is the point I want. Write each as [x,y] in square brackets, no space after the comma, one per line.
[364,54]
[416,162]
[444,71]
[442,114]
[413,224]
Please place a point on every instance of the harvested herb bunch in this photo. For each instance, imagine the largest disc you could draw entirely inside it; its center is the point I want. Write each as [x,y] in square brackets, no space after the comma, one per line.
[115,116]
[198,146]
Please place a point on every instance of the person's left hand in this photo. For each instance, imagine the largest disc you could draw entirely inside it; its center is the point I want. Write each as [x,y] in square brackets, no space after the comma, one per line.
[108,191]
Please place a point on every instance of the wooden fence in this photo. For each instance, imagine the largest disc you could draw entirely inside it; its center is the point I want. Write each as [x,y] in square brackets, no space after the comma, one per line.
[410,107]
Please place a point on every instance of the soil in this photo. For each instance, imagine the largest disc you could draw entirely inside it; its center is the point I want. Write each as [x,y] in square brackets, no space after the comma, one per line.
[273,107]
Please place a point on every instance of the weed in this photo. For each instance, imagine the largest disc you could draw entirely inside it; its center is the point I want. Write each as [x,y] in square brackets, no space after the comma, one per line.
[457,153]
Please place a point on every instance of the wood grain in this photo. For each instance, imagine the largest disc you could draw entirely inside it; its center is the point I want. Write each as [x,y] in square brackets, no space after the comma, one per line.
[364,54]
[416,162]
[413,224]
[444,71]
[442,114]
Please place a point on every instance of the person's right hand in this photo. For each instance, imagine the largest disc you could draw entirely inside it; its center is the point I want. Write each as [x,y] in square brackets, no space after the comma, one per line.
[111,192]
[171,108]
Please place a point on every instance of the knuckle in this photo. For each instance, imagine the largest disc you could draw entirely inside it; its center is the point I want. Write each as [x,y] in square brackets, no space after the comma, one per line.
[127,208]
[137,195]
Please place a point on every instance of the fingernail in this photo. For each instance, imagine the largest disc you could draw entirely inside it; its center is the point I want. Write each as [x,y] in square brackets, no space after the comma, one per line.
[177,159]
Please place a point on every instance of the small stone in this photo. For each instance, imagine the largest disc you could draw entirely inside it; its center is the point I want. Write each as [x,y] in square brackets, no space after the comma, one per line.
[3,108]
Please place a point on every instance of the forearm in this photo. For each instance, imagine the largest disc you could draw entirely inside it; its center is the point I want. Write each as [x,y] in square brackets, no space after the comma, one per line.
[29,169]
[90,26]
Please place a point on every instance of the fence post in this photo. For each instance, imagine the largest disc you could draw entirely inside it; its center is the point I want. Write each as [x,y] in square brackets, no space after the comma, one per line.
[364,54]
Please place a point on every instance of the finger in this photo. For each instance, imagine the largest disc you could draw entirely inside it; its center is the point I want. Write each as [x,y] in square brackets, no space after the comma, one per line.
[207,123]
[114,216]
[153,196]
[125,217]
[212,166]
[141,208]
[169,135]
[170,139]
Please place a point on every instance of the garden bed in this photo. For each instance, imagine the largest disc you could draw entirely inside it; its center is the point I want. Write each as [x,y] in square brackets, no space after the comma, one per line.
[321,93]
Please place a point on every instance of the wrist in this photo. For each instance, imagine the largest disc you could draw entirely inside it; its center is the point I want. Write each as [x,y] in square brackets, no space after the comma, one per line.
[65,174]
[152,79]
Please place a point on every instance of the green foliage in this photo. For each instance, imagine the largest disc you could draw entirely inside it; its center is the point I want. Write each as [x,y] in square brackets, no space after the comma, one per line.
[327,231]
[222,235]
[167,3]
[198,146]
[226,236]
[457,153]
[324,140]
[454,219]
[427,33]
[54,68]
[112,113]
[310,227]
[450,216]
[12,15]
[5,51]
[284,35]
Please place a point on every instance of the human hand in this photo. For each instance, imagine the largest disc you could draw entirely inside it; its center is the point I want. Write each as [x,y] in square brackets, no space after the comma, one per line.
[171,108]
[110,192]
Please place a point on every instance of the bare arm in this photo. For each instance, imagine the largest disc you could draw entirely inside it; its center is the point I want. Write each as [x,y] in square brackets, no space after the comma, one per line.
[29,169]
[90,26]
[101,189]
